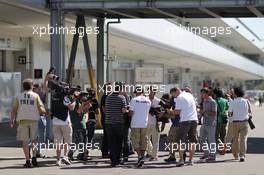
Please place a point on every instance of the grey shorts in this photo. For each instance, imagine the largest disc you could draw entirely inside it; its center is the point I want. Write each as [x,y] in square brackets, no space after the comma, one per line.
[187,131]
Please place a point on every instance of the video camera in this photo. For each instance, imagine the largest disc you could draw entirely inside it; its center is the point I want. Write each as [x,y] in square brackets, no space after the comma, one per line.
[165,104]
[52,71]
[59,87]
[87,95]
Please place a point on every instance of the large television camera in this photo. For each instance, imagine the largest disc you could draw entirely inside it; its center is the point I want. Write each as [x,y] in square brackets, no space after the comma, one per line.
[60,89]
[64,89]
[164,105]
[88,95]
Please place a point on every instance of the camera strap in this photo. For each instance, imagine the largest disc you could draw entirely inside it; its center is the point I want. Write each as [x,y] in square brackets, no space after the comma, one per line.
[249,108]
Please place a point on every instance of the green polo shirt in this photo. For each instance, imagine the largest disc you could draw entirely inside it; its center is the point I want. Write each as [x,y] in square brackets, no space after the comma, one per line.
[78,120]
[222,107]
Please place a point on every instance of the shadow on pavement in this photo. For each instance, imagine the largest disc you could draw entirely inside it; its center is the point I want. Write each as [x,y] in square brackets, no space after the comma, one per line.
[12,158]
[255,145]
[12,167]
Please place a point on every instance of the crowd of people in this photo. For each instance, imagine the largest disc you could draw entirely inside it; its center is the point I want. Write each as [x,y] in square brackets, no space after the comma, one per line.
[131,123]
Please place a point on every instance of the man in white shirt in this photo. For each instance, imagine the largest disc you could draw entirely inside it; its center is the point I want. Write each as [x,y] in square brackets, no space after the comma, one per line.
[139,109]
[185,107]
[239,109]
[153,133]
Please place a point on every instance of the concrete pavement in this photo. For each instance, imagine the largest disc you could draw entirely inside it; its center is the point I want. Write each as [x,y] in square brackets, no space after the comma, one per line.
[11,161]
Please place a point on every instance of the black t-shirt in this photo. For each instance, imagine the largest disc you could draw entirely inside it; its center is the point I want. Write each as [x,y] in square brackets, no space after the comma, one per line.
[103,99]
[58,109]
[92,110]
[103,103]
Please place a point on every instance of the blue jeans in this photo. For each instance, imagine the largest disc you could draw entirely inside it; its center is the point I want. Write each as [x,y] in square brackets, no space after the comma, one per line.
[42,123]
[207,136]
[49,129]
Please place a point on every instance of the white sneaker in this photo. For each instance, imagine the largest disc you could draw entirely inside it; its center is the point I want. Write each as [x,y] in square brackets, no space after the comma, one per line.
[58,162]
[66,160]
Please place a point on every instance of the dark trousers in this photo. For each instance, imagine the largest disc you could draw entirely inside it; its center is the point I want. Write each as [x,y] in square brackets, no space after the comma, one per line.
[115,134]
[220,132]
[91,124]
[104,148]
[79,138]
[126,142]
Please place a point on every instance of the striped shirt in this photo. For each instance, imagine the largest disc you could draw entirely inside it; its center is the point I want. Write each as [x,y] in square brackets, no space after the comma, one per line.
[113,105]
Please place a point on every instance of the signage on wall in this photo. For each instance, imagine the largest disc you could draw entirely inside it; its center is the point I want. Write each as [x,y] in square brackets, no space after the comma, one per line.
[149,75]
[38,73]
[22,60]
[122,65]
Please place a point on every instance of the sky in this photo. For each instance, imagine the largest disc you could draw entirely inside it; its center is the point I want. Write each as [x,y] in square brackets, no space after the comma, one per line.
[255,24]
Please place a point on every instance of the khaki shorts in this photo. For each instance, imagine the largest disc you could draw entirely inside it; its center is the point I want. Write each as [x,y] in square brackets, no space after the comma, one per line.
[173,134]
[139,138]
[62,133]
[27,130]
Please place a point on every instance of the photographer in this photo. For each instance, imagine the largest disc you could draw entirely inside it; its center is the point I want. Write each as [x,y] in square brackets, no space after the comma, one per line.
[93,113]
[185,106]
[60,105]
[174,129]
[153,132]
[79,117]
[127,145]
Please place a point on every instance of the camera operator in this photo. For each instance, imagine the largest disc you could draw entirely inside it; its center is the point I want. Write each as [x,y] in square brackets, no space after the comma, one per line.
[93,113]
[185,106]
[60,106]
[174,129]
[79,117]
[127,145]
[153,132]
